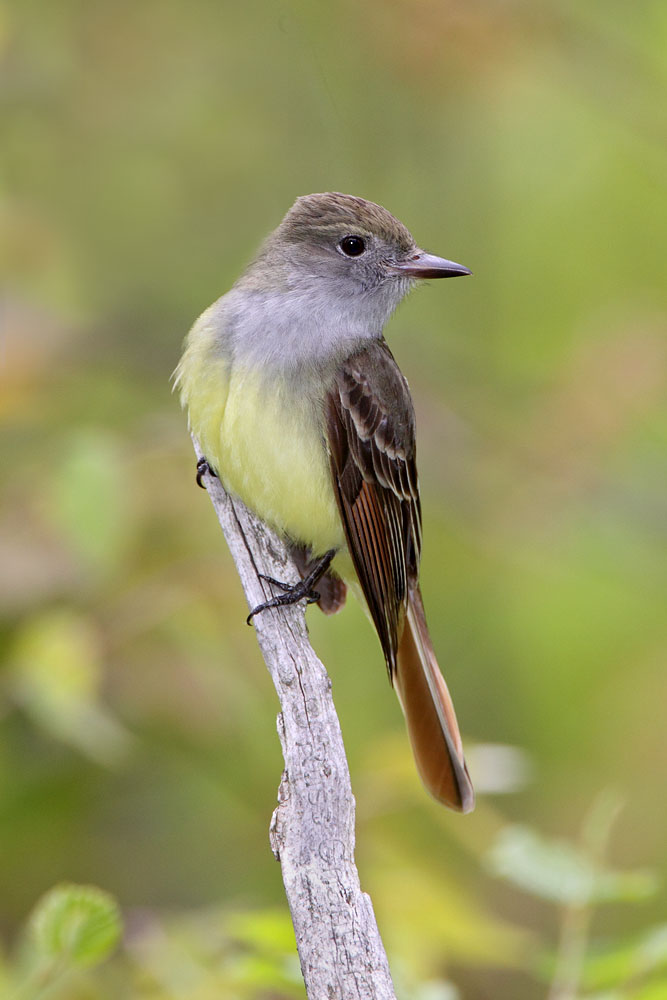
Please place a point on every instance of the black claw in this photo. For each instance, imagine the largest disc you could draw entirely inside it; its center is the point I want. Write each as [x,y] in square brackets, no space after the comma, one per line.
[203,469]
[256,611]
[293,593]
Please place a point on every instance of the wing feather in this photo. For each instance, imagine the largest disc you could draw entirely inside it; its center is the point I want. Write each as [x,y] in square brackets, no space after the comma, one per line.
[371,438]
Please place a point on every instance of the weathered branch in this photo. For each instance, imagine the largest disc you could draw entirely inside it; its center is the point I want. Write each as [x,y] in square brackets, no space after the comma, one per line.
[312,830]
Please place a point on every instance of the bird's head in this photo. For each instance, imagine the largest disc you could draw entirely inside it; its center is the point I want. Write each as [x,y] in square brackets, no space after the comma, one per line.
[349,248]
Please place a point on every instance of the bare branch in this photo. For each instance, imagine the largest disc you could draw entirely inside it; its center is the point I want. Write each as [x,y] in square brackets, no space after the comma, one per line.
[312,829]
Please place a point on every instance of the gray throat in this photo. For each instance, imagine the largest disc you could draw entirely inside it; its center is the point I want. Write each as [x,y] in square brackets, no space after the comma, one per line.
[291,330]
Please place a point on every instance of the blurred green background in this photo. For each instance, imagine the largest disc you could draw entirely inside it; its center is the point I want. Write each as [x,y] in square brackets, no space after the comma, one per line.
[145,150]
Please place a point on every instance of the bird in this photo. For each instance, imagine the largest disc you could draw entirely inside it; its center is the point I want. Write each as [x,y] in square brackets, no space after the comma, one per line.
[302,412]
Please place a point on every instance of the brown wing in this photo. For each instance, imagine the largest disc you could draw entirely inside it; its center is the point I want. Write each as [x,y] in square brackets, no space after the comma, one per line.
[371,430]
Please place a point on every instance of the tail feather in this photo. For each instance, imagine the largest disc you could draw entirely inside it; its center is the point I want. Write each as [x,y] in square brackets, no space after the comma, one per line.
[429,713]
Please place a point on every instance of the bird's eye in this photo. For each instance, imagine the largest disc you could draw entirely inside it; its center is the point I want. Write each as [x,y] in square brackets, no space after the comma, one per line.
[352,246]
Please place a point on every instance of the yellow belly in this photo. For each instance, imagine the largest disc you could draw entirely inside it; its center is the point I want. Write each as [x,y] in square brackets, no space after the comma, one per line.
[268,449]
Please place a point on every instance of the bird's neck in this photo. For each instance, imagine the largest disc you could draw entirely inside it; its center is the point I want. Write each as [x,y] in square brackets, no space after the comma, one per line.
[299,328]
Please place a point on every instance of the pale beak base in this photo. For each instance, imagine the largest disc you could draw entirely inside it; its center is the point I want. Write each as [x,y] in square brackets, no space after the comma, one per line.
[427,265]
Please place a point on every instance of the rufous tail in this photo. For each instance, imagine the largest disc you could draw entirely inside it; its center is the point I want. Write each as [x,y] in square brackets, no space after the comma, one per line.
[429,713]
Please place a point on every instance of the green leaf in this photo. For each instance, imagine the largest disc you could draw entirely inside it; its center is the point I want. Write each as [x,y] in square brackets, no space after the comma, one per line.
[78,926]
[88,499]
[264,930]
[624,887]
[549,869]
[56,676]
[559,872]
[651,952]
[628,960]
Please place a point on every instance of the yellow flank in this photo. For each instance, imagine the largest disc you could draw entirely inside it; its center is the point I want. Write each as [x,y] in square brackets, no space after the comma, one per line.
[267,450]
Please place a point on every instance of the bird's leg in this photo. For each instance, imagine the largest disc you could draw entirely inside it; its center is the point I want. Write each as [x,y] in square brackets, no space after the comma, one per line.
[204,469]
[303,590]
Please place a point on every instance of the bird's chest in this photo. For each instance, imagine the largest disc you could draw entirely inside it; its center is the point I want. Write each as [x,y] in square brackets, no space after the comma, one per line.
[273,455]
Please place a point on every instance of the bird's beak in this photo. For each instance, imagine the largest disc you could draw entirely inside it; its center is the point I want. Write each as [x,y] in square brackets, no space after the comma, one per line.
[427,265]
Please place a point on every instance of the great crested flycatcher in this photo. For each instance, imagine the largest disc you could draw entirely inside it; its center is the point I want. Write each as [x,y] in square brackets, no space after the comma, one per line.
[303,413]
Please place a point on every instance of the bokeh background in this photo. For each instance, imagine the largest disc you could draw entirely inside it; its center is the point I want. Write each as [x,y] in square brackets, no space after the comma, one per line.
[146,148]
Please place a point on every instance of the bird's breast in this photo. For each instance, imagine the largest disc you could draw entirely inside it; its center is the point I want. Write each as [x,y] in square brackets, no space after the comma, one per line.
[269,449]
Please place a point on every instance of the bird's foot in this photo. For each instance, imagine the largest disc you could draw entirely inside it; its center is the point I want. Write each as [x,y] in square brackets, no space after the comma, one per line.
[204,469]
[295,592]
[292,595]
